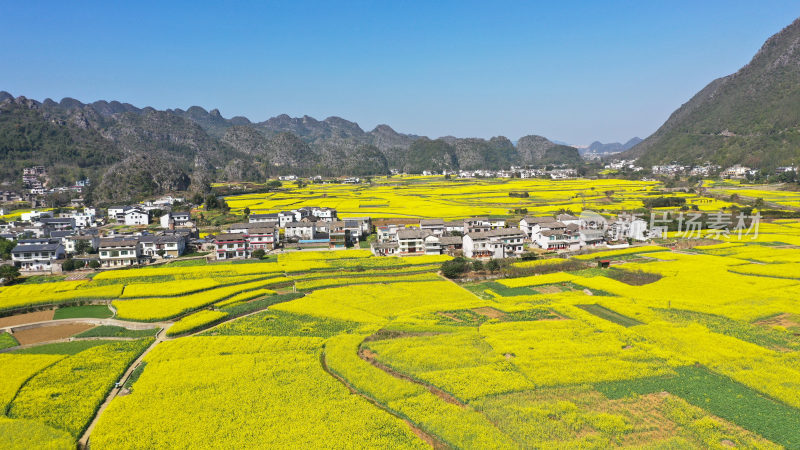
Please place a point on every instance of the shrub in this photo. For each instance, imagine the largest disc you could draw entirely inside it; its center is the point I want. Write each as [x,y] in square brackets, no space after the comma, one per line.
[455,267]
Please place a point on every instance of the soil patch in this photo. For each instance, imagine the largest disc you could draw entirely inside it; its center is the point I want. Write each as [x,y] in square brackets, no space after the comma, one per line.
[395,334]
[490,312]
[548,289]
[50,333]
[785,320]
[449,316]
[19,319]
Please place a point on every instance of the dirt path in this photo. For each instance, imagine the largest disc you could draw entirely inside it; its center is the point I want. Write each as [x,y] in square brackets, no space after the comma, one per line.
[370,357]
[84,440]
[428,438]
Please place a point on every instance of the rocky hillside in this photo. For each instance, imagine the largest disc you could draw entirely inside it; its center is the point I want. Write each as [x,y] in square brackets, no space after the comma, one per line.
[612,147]
[751,117]
[131,152]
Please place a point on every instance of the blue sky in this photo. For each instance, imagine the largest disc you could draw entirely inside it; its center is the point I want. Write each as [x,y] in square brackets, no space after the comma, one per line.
[575,71]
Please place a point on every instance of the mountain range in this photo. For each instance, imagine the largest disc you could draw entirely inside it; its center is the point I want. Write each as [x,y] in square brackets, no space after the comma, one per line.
[613,147]
[131,152]
[751,117]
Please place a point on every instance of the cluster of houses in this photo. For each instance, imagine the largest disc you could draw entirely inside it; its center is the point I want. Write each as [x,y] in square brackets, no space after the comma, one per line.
[306,227]
[487,238]
[35,180]
[623,164]
[44,240]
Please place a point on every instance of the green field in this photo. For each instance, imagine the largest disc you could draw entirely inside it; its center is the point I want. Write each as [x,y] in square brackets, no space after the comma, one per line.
[88,311]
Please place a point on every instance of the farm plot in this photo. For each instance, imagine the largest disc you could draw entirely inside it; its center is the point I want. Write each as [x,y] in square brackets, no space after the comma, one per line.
[286,397]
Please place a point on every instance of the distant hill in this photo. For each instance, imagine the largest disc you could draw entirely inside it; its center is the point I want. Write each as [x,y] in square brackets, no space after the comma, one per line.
[614,147]
[130,152]
[751,117]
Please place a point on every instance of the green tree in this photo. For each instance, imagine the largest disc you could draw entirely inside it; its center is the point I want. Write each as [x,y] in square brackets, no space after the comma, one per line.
[82,247]
[246,211]
[94,264]
[477,266]
[493,265]
[68,265]
[9,273]
[212,202]
[6,246]
[259,253]
[455,267]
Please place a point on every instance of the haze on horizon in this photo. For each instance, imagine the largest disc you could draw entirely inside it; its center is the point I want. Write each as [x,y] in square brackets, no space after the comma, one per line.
[574,73]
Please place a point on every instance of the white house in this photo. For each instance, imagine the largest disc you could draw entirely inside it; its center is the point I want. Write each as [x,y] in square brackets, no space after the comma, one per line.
[552,239]
[300,230]
[433,226]
[568,219]
[135,216]
[231,246]
[411,241]
[176,219]
[119,252]
[456,226]
[388,233]
[268,219]
[285,217]
[37,255]
[530,225]
[433,245]
[499,243]
[32,215]
[265,238]
[477,225]
[325,214]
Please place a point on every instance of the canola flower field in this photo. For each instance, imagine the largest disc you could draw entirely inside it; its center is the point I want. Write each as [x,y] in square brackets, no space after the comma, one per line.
[421,197]
[343,349]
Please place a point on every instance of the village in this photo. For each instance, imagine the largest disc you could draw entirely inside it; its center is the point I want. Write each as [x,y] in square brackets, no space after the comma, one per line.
[87,238]
[78,236]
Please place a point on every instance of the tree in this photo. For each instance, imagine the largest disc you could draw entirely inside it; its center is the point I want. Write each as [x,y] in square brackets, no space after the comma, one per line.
[161,253]
[246,211]
[68,265]
[9,273]
[6,246]
[455,267]
[493,265]
[477,266]
[274,184]
[80,264]
[94,264]
[259,253]
[82,247]
[197,199]
[211,201]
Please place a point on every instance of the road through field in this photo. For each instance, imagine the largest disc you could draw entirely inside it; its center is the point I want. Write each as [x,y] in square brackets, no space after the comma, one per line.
[84,440]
